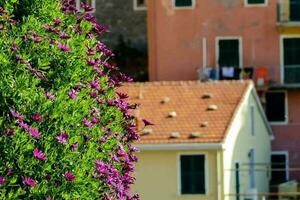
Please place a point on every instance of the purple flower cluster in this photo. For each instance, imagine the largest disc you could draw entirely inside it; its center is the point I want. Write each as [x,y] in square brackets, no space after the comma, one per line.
[69,176]
[115,172]
[39,154]
[62,138]
[29,181]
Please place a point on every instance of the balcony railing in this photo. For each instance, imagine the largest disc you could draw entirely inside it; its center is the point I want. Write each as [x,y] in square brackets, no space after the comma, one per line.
[288,12]
[291,74]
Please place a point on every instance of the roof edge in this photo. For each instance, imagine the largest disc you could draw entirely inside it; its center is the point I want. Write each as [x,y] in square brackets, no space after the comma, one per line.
[184,146]
[239,106]
[262,113]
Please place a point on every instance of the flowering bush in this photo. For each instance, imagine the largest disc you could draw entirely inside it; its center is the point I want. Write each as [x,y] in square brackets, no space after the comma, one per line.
[65,131]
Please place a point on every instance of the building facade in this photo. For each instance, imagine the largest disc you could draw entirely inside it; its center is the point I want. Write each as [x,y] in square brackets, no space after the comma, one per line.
[210,141]
[236,39]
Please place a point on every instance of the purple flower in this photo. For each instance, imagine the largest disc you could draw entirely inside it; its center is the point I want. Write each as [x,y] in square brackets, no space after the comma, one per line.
[13,48]
[95,84]
[90,18]
[63,47]
[74,146]
[93,94]
[50,28]
[63,35]
[91,62]
[95,120]
[69,176]
[29,181]
[34,133]
[23,125]
[37,117]
[50,96]
[87,123]
[9,171]
[39,154]
[86,7]
[90,52]
[147,123]
[57,22]
[62,138]
[122,95]
[101,167]
[36,38]
[121,153]
[73,94]
[102,139]
[16,114]
[2,180]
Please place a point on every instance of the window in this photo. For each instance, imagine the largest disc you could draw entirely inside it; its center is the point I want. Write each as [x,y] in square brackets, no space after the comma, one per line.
[192,174]
[291,60]
[276,106]
[229,57]
[140,4]
[255,2]
[279,167]
[91,3]
[251,157]
[184,3]
[252,120]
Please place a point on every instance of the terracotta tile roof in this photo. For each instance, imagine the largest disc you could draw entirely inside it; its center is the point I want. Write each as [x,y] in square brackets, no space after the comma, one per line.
[186,112]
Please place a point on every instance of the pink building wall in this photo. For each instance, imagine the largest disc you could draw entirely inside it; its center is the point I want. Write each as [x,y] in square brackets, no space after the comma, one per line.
[176,36]
[175,50]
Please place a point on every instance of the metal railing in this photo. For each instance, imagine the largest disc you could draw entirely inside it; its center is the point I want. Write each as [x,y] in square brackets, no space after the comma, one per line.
[288,11]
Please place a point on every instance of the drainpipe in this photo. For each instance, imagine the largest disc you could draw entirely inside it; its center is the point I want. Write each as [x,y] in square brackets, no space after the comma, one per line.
[237,181]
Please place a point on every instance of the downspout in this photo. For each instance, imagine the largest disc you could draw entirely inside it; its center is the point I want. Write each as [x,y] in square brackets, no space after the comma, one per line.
[237,180]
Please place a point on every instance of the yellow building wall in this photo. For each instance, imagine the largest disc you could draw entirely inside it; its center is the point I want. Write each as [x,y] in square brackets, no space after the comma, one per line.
[238,147]
[157,176]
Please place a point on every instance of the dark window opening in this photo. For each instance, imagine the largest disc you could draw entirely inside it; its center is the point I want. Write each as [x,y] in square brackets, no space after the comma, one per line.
[229,59]
[192,174]
[141,3]
[279,171]
[294,10]
[275,106]
[183,3]
[256,2]
[291,49]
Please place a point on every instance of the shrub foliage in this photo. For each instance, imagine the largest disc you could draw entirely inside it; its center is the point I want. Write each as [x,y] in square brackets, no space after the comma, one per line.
[65,131]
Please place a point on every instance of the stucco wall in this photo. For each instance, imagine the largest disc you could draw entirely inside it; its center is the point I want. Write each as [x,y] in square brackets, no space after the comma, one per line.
[287,136]
[175,36]
[157,176]
[122,19]
[237,151]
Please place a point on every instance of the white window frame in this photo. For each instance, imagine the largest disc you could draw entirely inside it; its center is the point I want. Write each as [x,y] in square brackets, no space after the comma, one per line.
[93,6]
[285,106]
[286,154]
[139,8]
[217,49]
[184,7]
[257,4]
[252,119]
[206,175]
[282,37]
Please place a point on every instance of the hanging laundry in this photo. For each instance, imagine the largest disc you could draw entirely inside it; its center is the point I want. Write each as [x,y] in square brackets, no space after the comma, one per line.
[228,72]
